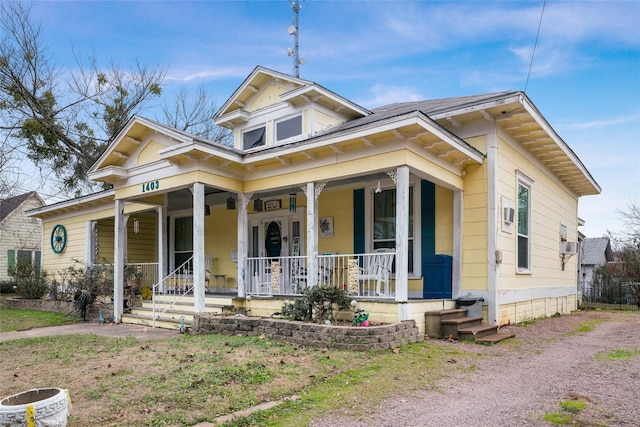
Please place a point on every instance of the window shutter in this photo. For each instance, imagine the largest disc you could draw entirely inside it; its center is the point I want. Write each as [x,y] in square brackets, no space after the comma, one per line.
[428,220]
[38,260]
[358,221]
[11,260]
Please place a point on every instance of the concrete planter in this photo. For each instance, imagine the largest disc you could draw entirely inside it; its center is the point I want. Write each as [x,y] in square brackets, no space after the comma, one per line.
[45,407]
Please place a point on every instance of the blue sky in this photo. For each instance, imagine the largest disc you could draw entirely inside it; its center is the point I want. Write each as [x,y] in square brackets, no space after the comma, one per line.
[585,77]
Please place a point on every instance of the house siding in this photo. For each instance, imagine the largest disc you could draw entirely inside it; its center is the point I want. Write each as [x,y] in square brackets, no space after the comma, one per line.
[19,232]
[551,205]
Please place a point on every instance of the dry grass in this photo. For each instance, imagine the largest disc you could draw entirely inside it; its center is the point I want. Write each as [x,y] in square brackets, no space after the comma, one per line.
[188,379]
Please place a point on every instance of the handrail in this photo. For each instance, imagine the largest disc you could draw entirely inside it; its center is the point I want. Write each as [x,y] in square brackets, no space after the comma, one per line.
[184,270]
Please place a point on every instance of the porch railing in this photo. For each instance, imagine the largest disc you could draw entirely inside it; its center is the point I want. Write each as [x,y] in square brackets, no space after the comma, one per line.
[146,272]
[360,275]
[178,284]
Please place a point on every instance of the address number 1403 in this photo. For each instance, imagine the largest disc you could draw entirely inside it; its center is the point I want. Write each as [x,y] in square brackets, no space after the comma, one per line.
[150,186]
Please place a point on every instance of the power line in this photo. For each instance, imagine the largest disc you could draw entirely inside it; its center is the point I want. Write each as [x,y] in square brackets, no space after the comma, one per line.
[534,46]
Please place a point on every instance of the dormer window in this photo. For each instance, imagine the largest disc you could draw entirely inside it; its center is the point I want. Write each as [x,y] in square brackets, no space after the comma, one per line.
[288,128]
[253,138]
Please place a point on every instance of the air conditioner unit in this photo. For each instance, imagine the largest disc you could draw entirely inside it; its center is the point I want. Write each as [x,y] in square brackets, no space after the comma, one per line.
[570,248]
[508,214]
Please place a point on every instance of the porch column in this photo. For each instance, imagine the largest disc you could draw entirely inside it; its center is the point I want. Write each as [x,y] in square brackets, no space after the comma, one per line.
[198,246]
[243,200]
[162,245]
[312,235]
[402,241]
[456,270]
[90,250]
[120,238]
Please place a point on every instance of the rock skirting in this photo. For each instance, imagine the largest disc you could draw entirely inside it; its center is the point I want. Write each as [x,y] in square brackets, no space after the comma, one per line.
[311,334]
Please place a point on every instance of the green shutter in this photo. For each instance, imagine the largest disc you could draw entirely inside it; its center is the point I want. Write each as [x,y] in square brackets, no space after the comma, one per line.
[358,221]
[428,220]
[11,261]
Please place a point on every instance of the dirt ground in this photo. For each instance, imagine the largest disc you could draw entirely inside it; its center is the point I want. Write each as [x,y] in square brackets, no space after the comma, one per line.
[589,357]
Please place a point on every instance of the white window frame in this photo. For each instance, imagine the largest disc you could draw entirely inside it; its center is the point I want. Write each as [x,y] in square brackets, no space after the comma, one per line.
[291,138]
[417,243]
[525,182]
[244,132]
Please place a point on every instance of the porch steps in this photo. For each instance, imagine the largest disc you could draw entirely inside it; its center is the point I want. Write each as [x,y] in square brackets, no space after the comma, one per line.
[456,324]
[171,319]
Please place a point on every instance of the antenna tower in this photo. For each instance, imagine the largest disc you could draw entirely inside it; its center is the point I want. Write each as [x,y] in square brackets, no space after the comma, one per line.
[293,30]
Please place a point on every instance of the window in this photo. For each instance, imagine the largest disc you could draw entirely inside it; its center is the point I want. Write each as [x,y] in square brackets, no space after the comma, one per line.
[183,240]
[288,128]
[524,225]
[384,222]
[253,138]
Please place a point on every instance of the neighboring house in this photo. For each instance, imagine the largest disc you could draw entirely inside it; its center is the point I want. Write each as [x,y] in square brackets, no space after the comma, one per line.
[474,194]
[20,235]
[594,253]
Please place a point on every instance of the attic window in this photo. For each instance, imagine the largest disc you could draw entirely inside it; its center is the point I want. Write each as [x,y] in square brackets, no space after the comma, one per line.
[253,138]
[288,128]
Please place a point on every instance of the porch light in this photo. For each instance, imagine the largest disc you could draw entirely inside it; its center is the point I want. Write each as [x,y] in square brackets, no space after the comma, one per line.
[231,203]
[257,205]
[293,200]
[378,188]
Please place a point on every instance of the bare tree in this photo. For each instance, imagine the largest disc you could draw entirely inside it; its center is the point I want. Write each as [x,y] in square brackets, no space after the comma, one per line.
[194,114]
[66,121]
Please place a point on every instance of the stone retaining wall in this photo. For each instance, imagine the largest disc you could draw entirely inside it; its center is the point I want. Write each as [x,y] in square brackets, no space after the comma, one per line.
[311,334]
[65,307]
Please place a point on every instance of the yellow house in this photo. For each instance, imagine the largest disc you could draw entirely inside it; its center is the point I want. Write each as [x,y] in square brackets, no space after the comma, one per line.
[407,207]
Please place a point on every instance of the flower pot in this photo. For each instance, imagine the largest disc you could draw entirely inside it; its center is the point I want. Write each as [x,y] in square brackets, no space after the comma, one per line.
[45,407]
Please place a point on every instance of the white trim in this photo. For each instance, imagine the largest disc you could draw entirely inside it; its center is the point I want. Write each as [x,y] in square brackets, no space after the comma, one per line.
[524,181]
[510,296]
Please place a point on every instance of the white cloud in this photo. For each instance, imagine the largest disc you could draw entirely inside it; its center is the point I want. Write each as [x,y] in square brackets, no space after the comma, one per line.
[605,122]
[385,95]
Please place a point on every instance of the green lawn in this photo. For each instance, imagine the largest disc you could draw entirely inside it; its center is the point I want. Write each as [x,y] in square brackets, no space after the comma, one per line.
[16,319]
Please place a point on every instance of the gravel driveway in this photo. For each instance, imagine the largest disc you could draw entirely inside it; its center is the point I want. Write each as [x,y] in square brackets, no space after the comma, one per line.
[518,382]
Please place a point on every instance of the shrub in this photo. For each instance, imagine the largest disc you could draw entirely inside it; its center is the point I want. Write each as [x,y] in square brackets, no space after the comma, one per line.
[29,282]
[318,303]
[97,279]
[6,287]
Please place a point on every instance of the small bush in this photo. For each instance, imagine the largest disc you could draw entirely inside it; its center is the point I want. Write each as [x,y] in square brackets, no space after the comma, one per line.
[318,303]
[29,282]
[6,287]
[97,279]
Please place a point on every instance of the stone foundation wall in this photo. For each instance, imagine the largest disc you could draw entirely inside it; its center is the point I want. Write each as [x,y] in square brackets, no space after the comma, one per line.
[66,307]
[311,334]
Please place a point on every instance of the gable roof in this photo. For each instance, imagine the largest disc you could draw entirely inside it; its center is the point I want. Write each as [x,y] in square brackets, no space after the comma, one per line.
[9,205]
[233,110]
[596,251]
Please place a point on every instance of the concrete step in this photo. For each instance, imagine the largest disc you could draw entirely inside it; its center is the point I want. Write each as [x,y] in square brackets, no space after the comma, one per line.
[135,319]
[474,332]
[450,327]
[187,306]
[494,338]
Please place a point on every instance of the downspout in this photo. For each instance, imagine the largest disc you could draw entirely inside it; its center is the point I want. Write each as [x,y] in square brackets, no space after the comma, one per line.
[492,227]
